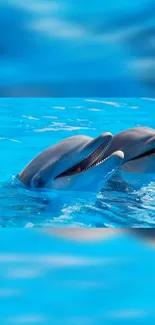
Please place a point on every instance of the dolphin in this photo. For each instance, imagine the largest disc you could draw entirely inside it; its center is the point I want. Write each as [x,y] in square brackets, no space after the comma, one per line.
[74,163]
[138,146]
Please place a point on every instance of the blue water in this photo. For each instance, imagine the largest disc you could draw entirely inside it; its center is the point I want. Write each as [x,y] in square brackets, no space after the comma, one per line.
[76,49]
[28,126]
[48,280]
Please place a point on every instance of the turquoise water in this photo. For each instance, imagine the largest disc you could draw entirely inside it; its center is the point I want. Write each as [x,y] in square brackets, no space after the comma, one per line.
[78,49]
[49,280]
[28,126]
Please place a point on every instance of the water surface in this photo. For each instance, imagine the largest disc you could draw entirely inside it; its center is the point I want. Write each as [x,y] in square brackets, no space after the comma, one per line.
[28,126]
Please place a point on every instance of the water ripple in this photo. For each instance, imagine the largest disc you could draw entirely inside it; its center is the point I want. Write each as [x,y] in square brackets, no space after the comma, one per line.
[30,126]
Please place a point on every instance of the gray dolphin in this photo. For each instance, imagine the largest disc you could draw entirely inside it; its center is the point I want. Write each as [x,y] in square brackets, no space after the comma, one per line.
[75,163]
[138,146]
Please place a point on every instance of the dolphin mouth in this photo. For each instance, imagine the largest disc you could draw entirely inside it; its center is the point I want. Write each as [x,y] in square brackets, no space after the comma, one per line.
[148,153]
[90,161]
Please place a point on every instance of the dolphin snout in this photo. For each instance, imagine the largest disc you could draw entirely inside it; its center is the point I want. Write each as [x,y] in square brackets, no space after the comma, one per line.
[102,141]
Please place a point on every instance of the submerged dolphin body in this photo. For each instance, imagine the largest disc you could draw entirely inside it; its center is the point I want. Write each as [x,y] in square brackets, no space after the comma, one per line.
[138,146]
[75,163]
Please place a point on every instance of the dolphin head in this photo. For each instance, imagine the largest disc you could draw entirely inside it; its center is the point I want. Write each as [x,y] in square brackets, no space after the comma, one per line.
[75,163]
[138,145]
